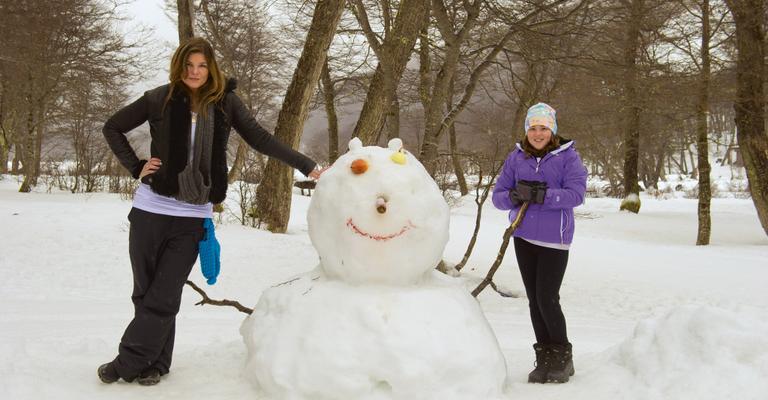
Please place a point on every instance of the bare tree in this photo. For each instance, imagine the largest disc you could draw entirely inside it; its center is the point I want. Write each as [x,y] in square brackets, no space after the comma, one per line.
[9,113]
[488,169]
[48,44]
[274,194]
[454,32]
[329,97]
[88,101]
[186,21]
[631,143]
[749,16]
[488,56]
[393,52]
[247,53]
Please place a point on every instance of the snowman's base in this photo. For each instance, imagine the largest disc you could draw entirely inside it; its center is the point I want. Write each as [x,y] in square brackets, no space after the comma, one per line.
[314,338]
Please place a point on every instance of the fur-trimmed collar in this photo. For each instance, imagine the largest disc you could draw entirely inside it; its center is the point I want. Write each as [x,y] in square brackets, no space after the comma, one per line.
[231,85]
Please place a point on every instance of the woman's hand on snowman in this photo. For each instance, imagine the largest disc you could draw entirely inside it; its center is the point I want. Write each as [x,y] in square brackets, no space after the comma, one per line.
[315,174]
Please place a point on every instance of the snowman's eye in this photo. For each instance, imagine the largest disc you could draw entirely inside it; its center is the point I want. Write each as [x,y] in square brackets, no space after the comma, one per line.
[359,166]
[398,157]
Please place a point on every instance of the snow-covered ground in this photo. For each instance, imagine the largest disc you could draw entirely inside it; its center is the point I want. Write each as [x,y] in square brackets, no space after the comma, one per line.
[651,315]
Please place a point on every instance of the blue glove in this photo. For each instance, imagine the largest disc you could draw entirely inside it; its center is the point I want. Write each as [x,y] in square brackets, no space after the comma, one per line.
[210,253]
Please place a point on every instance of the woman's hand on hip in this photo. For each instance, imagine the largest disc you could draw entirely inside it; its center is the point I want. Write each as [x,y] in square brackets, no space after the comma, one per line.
[150,167]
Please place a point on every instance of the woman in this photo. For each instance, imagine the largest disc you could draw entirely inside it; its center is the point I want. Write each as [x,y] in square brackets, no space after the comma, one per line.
[190,120]
[546,172]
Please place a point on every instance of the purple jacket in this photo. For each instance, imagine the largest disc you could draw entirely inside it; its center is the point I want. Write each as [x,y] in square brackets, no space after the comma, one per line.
[566,179]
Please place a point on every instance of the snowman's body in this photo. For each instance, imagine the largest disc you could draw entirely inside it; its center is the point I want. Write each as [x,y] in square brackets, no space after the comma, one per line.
[374,321]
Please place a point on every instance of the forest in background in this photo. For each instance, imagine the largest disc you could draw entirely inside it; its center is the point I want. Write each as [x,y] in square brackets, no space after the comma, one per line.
[646,88]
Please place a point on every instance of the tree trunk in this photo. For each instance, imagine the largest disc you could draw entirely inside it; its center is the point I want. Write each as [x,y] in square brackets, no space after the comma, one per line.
[750,99]
[329,94]
[395,53]
[443,82]
[5,149]
[631,200]
[429,151]
[694,163]
[273,197]
[393,119]
[425,66]
[702,127]
[31,149]
[239,162]
[18,159]
[5,142]
[455,160]
[3,158]
[186,19]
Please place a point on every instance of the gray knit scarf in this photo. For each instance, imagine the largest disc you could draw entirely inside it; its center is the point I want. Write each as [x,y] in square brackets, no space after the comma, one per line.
[195,179]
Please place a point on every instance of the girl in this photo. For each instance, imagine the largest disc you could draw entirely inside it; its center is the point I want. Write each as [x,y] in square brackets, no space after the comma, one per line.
[546,172]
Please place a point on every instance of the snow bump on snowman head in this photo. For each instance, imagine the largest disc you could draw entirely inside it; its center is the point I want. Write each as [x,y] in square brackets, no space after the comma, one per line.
[377,216]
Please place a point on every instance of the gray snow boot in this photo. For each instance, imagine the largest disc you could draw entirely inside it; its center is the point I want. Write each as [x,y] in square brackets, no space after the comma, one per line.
[561,367]
[107,373]
[539,374]
[149,377]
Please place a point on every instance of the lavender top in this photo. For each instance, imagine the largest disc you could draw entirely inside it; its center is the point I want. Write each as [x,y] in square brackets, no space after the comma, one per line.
[147,200]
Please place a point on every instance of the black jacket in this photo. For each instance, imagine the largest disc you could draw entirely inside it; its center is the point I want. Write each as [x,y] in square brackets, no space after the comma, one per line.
[170,130]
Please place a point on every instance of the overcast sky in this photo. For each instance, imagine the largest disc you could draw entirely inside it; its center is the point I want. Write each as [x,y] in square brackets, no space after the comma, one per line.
[149,13]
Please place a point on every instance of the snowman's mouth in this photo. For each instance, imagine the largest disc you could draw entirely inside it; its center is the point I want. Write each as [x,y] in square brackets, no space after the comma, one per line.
[379,237]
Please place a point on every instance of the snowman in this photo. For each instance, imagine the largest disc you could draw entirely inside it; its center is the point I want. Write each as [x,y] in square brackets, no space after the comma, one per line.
[374,320]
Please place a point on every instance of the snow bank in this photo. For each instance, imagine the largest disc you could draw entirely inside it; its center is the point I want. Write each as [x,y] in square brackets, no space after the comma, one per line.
[313,338]
[696,353]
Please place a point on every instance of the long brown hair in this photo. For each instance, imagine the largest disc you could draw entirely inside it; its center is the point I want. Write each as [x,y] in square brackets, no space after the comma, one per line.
[213,89]
[554,142]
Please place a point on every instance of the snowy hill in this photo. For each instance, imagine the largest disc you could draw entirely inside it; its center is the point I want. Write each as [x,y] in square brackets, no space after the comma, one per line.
[651,315]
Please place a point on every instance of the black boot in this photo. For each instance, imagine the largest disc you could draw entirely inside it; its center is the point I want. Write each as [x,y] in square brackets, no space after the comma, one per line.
[539,374]
[107,373]
[561,367]
[149,377]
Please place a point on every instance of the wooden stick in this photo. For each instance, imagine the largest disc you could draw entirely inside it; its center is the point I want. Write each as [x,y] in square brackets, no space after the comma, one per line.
[225,302]
[500,256]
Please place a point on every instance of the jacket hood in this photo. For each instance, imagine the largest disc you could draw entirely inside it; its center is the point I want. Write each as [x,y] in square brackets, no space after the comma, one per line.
[565,144]
[231,85]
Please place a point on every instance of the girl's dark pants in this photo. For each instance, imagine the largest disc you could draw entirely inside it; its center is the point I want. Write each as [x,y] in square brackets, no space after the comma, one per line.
[542,269]
[163,250]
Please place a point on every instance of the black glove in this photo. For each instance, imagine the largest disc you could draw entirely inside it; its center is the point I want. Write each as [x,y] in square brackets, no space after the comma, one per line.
[515,197]
[530,191]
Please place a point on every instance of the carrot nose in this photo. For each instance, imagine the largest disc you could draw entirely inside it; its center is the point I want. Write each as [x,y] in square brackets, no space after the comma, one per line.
[359,166]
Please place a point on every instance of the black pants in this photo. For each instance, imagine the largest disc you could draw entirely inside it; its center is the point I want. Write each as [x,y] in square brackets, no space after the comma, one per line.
[542,269]
[163,250]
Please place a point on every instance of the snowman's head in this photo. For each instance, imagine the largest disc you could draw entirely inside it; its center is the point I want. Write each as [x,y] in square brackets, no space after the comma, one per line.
[377,216]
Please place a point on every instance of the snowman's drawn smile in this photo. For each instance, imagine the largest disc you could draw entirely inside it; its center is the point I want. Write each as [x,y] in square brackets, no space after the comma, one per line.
[379,237]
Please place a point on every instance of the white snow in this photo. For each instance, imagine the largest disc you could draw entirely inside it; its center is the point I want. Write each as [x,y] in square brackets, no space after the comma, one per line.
[399,243]
[651,315]
[374,321]
[315,338]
